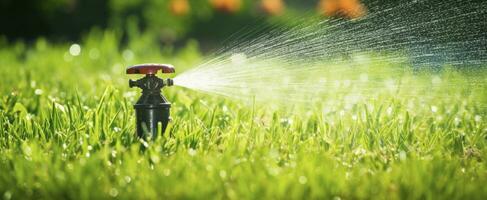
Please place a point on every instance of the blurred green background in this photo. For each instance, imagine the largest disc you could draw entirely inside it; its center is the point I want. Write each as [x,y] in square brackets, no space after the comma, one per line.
[68,20]
[208,21]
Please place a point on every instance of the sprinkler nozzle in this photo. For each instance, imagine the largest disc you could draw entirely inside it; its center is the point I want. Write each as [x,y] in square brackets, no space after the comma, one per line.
[169,82]
[152,109]
[132,83]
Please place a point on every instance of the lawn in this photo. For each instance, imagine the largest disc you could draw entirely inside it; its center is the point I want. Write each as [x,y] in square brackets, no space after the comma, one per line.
[68,132]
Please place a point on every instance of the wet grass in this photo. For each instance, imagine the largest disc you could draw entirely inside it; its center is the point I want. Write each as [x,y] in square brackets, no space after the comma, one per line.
[67,132]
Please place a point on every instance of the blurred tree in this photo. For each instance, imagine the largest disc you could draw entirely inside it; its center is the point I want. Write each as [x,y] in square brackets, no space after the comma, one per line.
[57,18]
[169,21]
[179,7]
[350,9]
[272,7]
[229,6]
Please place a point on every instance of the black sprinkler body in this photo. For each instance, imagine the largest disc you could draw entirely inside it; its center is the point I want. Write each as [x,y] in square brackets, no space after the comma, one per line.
[152,108]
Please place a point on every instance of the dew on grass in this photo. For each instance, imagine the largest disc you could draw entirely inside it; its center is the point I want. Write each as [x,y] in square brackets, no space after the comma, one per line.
[155,159]
[286,122]
[117,129]
[191,152]
[389,110]
[434,109]
[360,152]
[38,92]
[90,124]
[457,121]
[29,116]
[144,143]
[354,117]
[402,155]
[60,107]
[478,118]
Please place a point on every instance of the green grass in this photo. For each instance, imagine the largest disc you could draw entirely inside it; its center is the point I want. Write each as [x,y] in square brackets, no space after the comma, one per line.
[67,132]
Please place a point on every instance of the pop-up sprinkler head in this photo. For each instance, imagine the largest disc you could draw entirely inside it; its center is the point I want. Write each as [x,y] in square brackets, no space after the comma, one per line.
[152,108]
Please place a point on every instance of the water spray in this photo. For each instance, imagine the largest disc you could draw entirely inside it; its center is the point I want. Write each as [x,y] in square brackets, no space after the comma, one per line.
[310,58]
[152,108]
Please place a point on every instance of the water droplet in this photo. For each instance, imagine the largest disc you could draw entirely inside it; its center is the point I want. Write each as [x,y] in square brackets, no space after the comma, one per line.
[116,129]
[38,92]
[402,155]
[286,122]
[478,118]
[7,195]
[167,172]
[60,107]
[128,55]
[113,192]
[360,151]
[303,179]
[75,50]
[434,109]
[389,110]
[457,121]
[191,152]
[155,158]
[223,174]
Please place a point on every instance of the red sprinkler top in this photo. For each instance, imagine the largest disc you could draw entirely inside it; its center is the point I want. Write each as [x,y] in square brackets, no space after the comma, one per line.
[150,68]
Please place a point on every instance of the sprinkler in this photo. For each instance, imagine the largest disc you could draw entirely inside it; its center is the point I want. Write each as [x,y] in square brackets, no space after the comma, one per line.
[152,107]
